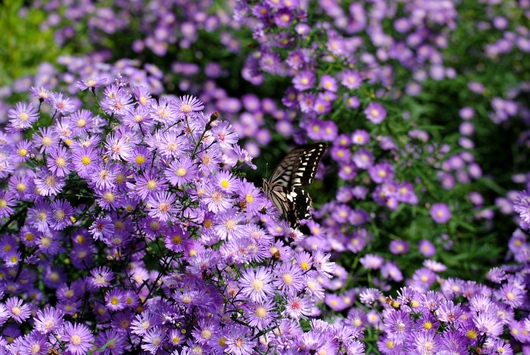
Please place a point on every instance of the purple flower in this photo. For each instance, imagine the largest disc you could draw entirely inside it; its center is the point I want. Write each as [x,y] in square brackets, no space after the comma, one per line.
[239,342]
[260,314]
[381,172]
[348,171]
[360,137]
[16,310]
[59,161]
[397,324]
[426,342]
[225,134]
[304,80]
[117,101]
[522,206]
[297,307]
[440,212]
[48,320]
[375,112]
[322,106]
[153,339]
[363,159]
[369,296]
[101,277]
[181,172]
[162,205]
[60,103]
[91,83]
[22,116]
[426,248]
[7,202]
[78,338]
[371,261]
[256,284]
[351,79]
[352,102]
[328,83]
[48,184]
[451,313]
[399,247]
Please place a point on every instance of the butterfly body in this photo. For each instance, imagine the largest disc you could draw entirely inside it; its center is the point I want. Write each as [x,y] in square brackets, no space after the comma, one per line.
[297,169]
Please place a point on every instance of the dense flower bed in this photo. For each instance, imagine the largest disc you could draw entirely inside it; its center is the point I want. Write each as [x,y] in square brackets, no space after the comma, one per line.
[133,221]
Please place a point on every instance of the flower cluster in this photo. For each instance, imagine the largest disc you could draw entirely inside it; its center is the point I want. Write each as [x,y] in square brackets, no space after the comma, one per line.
[128,228]
[131,228]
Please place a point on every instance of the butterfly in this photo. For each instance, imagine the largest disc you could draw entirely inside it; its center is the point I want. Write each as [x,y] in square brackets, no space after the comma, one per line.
[297,169]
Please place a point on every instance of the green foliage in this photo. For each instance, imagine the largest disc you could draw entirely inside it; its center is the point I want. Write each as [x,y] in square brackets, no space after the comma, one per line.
[23,43]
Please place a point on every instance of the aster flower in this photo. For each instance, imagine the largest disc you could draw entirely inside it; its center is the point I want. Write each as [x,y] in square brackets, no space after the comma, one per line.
[225,134]
[46,138]
[153,339]
[426,248]
[352,102]
[162,205]
[397,325]
[427,342]
[440,213]
[370,295]
[103,175]
[371,261]
[215,200]
[116,100]
[138,118]
[512,294]
[61,103]
[351,79]
[187,106]
[363,158]
[381,172]
[62,211]
[22,116]
[288,279]
[7,202]
[260,314]
[304,80]
[113,340]
[16,310]
[297,307]
[181,172]
[148,184]
[239,342]
[170,144]
[59,161]
[101,277]
[91,83]
[496,275]
[78,338]
[375,112]
[48,320]
[102,228]
[40,92]
[522,206]
[399,246]
[450,313]
[118,147]
[321,106]
[256,284]
[164,112]
[84,160]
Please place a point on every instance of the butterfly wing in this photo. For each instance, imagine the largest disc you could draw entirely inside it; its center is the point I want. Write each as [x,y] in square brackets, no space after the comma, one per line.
[297,169]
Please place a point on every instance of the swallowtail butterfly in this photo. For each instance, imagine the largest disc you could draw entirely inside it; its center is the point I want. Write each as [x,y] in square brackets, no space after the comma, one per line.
[297,169]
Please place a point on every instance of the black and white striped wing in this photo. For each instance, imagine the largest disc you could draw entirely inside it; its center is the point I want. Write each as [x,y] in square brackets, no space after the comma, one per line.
[297,169]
